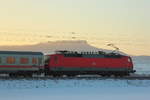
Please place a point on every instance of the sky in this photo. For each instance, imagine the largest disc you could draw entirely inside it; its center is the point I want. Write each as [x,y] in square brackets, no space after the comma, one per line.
[124,23]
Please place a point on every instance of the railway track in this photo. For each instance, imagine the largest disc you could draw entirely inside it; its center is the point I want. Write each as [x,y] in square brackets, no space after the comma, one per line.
[87,77]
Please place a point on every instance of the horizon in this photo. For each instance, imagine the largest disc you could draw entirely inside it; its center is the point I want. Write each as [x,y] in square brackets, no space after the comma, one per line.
[62,42]
[124,23]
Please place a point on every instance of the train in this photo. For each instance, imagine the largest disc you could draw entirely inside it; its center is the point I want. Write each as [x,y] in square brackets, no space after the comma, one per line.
[69,63]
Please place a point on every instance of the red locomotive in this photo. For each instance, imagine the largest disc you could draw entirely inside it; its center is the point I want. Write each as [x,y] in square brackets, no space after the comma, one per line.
[101,63]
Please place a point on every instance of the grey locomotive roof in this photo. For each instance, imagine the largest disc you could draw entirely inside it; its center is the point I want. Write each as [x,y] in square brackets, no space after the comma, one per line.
[21,52]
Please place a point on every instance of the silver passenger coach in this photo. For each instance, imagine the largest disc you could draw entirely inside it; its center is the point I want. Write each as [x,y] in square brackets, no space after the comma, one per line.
[21,62]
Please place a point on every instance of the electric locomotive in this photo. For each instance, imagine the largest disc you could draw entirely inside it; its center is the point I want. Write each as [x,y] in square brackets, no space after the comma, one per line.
[101,63]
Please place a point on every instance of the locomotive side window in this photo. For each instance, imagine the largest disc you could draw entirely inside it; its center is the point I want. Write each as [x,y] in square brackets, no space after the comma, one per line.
[24,60]
[34,61]
[56,59]
[10,60]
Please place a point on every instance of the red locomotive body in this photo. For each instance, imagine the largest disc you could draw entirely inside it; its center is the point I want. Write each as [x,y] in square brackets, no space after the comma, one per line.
[73,63]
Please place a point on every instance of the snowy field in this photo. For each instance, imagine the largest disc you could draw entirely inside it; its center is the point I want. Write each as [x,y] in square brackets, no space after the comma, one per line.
[74,89]
[77,89]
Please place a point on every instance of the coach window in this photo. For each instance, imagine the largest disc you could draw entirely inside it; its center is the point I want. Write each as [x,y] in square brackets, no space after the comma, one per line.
[39,61]
[34,60]
[24,60]
[11,60]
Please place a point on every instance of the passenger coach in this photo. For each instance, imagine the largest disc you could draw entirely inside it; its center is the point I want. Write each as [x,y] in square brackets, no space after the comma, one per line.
[21,63]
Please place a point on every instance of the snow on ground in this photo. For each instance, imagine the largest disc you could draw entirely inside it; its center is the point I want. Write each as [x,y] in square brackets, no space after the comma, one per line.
[74,89]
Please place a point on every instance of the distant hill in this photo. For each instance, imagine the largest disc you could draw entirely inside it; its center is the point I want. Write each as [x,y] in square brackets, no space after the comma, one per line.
[50,47]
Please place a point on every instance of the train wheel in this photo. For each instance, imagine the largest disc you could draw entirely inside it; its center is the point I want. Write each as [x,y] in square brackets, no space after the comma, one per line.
[57,75]
[119,75]
[71,76]
[13,75]
[27,75]
[47,72]
[116,75]
[105,75]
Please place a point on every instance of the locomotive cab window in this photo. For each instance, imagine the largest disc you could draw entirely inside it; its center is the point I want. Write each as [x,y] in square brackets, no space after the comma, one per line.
[10,60]
[56,59]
